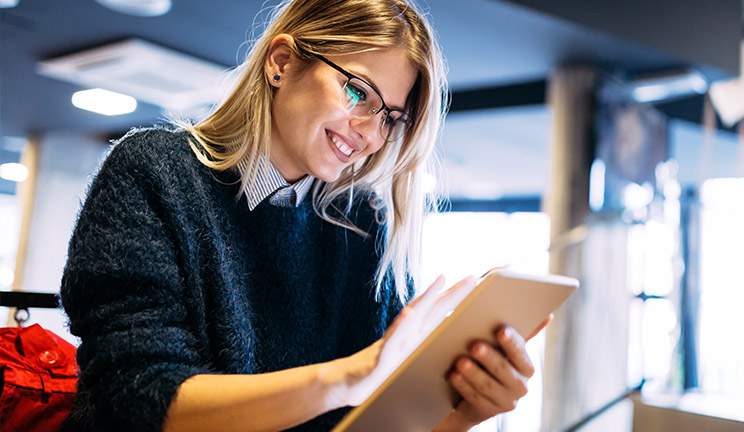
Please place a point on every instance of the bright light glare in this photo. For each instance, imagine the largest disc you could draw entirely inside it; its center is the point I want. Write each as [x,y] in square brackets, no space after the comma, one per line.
[6,276]
[727,98]
[429,183]
[597,185]
[666,88]
[146,8]
[104,102]
[637,196]
[721,367]
[14,172]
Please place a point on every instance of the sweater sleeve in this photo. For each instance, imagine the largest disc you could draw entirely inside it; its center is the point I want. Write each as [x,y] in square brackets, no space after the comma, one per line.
[124,294]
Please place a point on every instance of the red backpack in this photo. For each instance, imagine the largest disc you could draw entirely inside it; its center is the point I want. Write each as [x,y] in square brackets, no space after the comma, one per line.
[38,379]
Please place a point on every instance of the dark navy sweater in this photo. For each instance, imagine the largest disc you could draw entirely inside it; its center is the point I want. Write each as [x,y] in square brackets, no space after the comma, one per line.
[170,275]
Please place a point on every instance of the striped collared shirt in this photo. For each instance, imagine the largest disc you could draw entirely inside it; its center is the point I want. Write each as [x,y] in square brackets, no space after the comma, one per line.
[270,184]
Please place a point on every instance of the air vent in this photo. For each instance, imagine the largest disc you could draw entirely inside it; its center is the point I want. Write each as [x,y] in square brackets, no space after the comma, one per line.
[148,72]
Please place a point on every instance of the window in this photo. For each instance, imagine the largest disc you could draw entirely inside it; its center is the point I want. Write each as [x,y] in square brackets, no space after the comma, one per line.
[721,353]
[480,241]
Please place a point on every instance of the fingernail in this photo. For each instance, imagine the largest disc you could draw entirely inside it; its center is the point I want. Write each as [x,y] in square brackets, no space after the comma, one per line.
[480,349]
[464,364]
[508,334]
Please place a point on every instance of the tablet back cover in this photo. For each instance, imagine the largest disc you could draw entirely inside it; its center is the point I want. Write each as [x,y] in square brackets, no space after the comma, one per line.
[416,397]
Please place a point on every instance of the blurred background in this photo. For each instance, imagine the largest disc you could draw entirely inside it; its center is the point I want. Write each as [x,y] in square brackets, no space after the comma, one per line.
[592,138]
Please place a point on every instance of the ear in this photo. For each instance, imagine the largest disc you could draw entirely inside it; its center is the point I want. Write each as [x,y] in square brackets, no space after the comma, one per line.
[278,62]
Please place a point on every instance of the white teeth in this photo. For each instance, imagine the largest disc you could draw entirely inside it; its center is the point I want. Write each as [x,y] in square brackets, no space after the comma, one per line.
[341,145]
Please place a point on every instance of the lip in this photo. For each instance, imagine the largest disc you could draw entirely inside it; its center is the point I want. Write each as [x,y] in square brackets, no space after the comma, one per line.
[342,157]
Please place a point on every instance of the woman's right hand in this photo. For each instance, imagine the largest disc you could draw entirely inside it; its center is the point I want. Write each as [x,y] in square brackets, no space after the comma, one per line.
[366,370]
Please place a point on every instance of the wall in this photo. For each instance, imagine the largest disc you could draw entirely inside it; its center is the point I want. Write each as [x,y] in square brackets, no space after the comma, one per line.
[66,164]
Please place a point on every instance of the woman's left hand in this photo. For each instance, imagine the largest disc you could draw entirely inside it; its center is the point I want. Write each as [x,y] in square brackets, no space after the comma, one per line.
[491,379]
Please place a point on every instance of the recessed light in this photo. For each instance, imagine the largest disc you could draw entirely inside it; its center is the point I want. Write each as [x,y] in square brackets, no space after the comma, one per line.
[104,102]
[145,8]
[13,171]
[8,3]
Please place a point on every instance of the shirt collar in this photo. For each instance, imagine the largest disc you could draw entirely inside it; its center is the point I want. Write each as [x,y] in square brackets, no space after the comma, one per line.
[269,181]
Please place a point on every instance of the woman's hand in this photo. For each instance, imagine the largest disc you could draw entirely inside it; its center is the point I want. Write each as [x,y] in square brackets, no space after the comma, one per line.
[366,370]
[491,378]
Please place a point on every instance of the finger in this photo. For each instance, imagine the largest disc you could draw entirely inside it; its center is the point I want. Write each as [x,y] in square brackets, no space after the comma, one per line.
[454,295]
[495,366]
[481,390]
[424,301]
[480,407]
[429,296]
[512,344]
[540,327]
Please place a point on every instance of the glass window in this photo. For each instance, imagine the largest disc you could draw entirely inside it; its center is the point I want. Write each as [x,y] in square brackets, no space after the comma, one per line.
[721,353]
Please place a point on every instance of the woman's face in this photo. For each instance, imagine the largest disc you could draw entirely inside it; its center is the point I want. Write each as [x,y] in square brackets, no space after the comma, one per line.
[311,131]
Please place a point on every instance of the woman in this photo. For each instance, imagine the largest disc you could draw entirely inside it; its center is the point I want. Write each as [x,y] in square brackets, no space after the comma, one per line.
[210,293]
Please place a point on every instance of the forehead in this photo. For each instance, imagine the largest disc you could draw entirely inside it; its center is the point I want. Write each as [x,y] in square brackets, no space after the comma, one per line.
[389,70]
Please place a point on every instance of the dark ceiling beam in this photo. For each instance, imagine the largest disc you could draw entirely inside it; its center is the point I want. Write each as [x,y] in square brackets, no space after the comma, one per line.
[528,93]
[689,109]
[701,33]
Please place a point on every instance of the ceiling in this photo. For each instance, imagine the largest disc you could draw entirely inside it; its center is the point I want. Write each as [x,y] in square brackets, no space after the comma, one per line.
[486,42]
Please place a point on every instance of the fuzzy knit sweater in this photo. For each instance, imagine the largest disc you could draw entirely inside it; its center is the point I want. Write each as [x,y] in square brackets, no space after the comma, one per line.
[170,275]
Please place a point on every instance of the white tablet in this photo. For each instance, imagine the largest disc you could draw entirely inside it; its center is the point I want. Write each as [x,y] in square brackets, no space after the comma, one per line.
[416,396]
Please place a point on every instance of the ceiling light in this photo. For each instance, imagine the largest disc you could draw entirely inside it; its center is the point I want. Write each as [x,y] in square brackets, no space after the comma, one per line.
[104,102]
[14,172]
[145,8]
[597,185]
[728,100]
[728,97]
[657,87]
[146,71]
[8,3]
[668,86]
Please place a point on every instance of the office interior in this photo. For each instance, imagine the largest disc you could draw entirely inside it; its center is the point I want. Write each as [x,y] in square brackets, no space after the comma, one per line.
[596,139]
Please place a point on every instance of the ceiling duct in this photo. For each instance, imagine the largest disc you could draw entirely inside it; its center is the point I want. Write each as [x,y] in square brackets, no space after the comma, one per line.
[148,72]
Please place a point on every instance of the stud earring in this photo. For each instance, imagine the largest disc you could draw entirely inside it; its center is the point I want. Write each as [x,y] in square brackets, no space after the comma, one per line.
[277,78]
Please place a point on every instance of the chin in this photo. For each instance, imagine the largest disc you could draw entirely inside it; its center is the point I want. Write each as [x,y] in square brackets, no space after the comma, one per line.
[328,174]
[329,177]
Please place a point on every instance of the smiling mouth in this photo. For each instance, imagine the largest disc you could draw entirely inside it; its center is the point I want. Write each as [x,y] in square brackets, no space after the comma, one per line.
[340,144]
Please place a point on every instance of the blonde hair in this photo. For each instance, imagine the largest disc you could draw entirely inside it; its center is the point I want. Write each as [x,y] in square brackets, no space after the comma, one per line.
[238,131]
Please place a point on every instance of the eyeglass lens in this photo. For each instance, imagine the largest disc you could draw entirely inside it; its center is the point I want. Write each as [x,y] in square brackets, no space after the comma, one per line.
[362,101]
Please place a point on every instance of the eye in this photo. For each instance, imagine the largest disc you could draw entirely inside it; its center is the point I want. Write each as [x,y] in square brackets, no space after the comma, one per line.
[356,92]
[389,119]
[395,116]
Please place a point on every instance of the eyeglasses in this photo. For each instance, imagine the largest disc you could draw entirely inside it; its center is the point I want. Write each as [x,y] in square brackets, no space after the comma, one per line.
[362,101]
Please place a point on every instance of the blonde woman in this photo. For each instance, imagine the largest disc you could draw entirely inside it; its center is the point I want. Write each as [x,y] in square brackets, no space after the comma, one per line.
[241,273]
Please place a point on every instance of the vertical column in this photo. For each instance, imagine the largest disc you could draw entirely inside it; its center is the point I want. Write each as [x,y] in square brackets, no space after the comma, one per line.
[26,194]
[586,353]
[570,95]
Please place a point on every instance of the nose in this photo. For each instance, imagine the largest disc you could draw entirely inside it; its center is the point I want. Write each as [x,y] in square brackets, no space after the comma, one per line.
[369,129]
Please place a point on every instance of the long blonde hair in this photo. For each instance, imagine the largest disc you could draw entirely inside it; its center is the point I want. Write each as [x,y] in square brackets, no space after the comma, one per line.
[238,131]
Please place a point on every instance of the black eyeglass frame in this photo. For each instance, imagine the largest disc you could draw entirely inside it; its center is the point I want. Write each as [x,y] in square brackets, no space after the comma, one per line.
[408,122]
